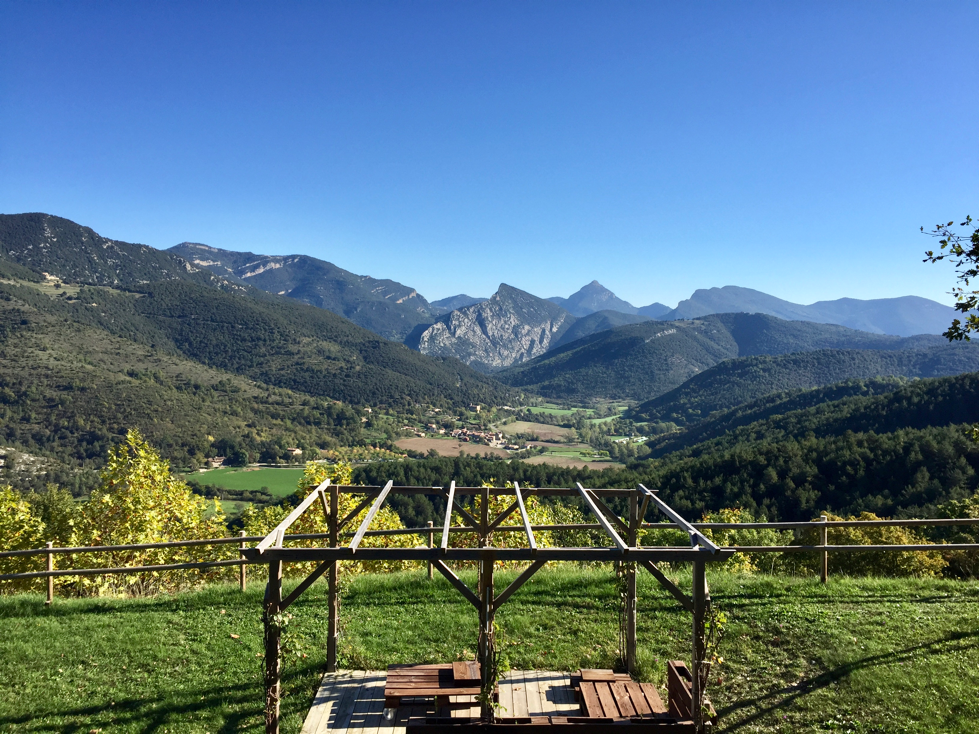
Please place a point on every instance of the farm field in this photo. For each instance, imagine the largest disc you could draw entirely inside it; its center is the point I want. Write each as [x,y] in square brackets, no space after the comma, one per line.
[447,447]
[858,655]
[280,482]
[543,430]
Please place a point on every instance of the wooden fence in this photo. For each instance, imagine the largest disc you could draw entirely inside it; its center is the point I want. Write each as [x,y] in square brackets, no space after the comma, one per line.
[822,525]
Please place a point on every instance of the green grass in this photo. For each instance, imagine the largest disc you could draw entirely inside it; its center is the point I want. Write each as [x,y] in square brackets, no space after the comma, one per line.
[554,410]
[858,655]
[280,482]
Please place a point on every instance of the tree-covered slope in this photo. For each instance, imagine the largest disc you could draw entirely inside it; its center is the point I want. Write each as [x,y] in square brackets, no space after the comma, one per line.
[266,338]
[643,361]
[69,390]
[919,404]
[77,254]
[745,379]
[383,306]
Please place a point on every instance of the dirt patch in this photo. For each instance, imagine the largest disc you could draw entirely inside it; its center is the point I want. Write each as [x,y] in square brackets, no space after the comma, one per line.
[544,431]
[572,462]
[446,447]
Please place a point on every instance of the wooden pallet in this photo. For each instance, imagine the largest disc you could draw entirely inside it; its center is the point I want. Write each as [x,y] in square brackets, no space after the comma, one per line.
[432,681]
[570,724]
[607,695]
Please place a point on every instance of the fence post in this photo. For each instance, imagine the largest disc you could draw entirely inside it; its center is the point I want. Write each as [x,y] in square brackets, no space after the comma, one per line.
[50,568]
[242,573]
[431,544]
[824,574]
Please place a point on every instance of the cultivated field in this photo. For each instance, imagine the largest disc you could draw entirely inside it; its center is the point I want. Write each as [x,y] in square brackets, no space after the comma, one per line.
[280,482]
[447,447]
[544,431]
[573,460]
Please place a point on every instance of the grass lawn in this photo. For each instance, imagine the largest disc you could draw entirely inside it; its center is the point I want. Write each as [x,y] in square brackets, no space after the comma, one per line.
[860,655]
[551,409]
[280,482]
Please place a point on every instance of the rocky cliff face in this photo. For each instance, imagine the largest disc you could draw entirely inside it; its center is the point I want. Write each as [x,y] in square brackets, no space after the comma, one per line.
[511,327]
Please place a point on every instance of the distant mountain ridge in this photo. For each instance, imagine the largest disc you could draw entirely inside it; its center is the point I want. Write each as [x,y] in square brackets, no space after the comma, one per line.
[592,298]
[904,316]
[444,305]
[642,361]
[742,380]
[386,307]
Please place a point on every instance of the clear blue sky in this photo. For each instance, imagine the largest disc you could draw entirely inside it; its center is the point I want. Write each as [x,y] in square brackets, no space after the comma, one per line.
[658,147]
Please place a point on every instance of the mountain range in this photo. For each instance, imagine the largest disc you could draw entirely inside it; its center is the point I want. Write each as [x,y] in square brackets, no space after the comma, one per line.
[386,307]
[643,361]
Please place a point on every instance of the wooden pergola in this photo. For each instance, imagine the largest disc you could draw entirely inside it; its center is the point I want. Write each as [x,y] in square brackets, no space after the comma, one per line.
[624,548]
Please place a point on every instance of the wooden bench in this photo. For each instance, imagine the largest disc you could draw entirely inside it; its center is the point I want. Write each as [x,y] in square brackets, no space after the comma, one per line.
[548,725]
[679,683]
[432,681]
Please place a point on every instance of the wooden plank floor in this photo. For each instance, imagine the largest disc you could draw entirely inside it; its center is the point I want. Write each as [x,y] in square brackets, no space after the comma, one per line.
[352,701]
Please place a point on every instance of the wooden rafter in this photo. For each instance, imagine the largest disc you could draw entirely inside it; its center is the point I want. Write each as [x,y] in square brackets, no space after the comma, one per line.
[696,537]
[622,545]
[456,582]
[667,584]
[279,532]
[370,515]
[526,520]
[610,513]
[448,516]
[365,503]
[518,582]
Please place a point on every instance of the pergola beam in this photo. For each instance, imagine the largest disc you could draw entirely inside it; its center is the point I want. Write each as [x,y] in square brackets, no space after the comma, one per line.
[370,515]
[518,582]
[371,496]
[651,553]
[622,545]
[456,582]
[696,537]
[281,528]
[610,514]
[448,517]
[684,600]
[526,519]
[306,583]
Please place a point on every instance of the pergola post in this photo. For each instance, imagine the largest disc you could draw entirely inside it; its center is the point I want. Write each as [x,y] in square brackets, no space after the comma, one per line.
[487,636]
[273,639]
[333,586]
[700,601]
[630,589]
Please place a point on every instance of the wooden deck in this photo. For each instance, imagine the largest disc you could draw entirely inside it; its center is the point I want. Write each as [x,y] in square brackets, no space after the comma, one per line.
[353,701]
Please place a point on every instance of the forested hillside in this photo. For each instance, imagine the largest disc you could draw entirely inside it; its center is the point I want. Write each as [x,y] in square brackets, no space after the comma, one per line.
[644,361]
[386,307]
[77,254]
[737,381]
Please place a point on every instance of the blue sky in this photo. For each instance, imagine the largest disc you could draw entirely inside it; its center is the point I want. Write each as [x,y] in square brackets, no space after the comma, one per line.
[795,148]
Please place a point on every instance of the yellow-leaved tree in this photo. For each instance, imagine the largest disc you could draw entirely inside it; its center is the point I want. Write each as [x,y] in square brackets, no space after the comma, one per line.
[20,529]
[139,501]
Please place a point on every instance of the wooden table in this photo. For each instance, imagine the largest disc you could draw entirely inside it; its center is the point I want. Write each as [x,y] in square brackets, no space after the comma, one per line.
[432,681]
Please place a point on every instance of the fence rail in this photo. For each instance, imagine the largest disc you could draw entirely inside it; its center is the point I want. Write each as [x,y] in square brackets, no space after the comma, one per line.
[821,525]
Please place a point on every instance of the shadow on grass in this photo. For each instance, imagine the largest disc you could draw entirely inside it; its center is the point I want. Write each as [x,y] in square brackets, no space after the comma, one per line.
[778,699]
[239,705]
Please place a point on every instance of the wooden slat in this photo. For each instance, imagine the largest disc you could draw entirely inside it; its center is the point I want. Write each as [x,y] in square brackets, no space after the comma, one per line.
[638,699]
[653,698]
[524,517]
[608,700]
[351,690]
[589,700]
[534,707]
[359,535]
[519,694]
[622,698]
[506,695]
[621,544]
[427,691]
[281,528]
